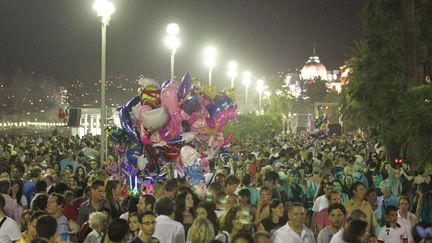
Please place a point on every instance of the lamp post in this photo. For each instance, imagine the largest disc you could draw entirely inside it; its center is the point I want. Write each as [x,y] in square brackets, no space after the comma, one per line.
[172,42]
[232,71]
[247,81]
[209,60]
[260,88]
[104,9]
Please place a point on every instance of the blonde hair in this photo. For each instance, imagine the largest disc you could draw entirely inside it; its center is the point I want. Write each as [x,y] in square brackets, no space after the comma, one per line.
[97,218]
[201,231]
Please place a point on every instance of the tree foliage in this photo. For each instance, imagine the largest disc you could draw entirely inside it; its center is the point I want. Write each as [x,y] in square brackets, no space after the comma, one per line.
[378,97]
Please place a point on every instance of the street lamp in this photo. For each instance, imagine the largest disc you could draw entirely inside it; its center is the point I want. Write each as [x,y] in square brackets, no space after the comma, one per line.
[104,9]
[246,81]
[172,42]
[232,71]
[209,60]
[260,89]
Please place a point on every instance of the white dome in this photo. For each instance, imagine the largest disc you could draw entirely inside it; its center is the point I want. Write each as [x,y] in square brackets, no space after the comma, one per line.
[313,69]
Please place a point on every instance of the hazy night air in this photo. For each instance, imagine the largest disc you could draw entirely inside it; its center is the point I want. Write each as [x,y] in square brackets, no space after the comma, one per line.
[62,38]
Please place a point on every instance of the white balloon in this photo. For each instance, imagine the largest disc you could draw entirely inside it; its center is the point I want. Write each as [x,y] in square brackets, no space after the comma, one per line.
[142,162]
[188,155]
[143,82]
[155,119]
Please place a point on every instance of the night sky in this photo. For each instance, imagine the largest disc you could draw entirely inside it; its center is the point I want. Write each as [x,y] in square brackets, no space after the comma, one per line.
[61,38]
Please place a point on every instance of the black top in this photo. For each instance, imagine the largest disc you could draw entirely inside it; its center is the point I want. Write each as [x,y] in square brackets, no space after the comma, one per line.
[270,227]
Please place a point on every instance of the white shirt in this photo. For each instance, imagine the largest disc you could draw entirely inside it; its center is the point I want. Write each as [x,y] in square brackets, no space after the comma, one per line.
[168,230]
[286,234]
[392,235]
[407,224]
[9,231]
[320,203]
[337,238]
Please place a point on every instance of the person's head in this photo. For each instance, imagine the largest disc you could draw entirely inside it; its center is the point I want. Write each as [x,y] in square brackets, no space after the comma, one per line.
[112,190]
[73,182]
[97,190]
[35,172]
[296,214]
[134,222]
[147,223]
[185,200]
[80,172]
[263,237]
[5,186]
[358,190]
[201,231]
[41,186]
[356,231]
[206,209]
[244,196]
[98,221]
[46,227]
[214,189]
[403,203]
[165,206]
[93,164]
[336,214]
[337,186]
[271,177]
[333,197]
[348,181]
[31,226]
[49,179]
[171,186]
[392,214]
[146,203]
[40,202]
[220,178]
[118,231]
[246,180]
[233,219]
[55,204]
[277,208]
[231,184]
[385,188]
[357,214]
[266,195]
[243,237]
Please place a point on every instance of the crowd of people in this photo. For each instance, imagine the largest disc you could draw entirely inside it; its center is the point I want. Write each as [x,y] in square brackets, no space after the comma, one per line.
[286,189]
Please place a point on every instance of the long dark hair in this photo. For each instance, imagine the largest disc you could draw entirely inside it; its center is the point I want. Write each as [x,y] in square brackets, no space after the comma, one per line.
[354,230]
[110,186]
[19,192]
[228,217]
[181,205]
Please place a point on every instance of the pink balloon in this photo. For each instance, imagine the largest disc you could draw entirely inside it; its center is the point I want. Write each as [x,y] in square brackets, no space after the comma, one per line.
[174,127]
[169,98]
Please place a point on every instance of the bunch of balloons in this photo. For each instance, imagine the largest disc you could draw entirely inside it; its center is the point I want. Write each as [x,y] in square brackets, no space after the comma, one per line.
[165,125]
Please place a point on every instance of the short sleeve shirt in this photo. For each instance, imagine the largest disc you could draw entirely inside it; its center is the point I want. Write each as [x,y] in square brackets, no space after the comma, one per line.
[9,231]
[392,235]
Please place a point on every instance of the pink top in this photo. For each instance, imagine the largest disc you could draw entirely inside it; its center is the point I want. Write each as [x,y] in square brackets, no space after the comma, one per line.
[11,207]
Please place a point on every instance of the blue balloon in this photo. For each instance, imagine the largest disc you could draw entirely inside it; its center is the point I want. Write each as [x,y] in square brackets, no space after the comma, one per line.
[164,84]
[185,87]
[194,172]
[127,122]
[191,104]
[220,104]
[132,155]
